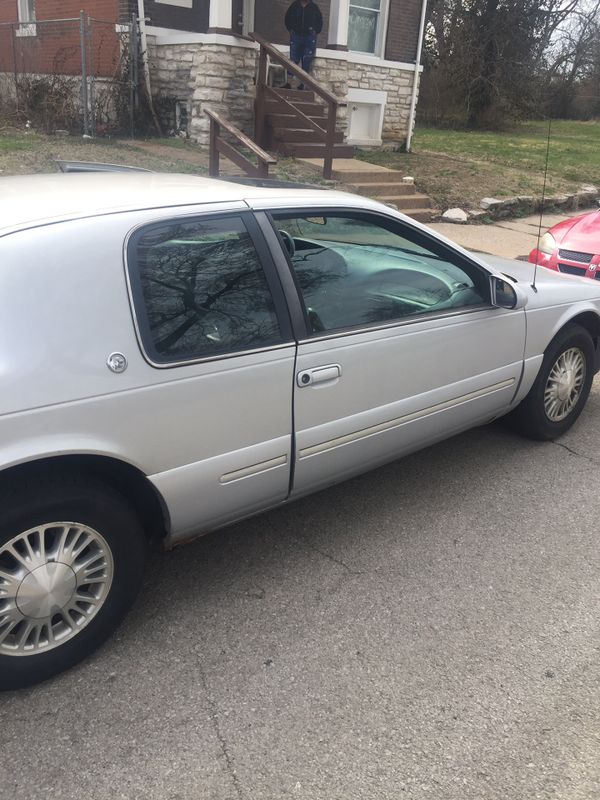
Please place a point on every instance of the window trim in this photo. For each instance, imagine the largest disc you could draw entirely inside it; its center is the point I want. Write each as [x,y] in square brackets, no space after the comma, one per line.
[138,305]
[382,28]
[417,236]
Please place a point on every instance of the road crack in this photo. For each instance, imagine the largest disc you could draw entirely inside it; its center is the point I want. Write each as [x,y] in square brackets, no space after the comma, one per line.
[214,718]
[328,556]
[575,453]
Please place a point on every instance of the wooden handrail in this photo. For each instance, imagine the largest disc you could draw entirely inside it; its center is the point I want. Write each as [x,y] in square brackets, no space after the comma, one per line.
[307,79]
[219,146]
[290,108]
[268,50]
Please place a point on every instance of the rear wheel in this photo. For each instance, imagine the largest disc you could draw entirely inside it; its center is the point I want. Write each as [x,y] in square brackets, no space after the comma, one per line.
[561,388]
[71,563]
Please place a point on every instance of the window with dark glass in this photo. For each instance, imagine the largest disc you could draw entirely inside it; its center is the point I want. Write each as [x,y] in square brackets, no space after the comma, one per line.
[203,290]
[355,271]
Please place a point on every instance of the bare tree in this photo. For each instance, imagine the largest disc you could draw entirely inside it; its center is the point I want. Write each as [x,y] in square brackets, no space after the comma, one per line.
[488,56]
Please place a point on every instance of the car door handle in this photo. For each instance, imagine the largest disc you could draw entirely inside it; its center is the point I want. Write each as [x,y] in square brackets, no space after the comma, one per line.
[308,377]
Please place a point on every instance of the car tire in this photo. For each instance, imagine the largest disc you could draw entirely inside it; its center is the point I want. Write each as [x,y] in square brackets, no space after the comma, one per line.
[72,554]
[554,402]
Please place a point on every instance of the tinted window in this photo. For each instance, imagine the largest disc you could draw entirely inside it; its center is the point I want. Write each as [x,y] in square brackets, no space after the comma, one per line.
[356,271]
[203,290]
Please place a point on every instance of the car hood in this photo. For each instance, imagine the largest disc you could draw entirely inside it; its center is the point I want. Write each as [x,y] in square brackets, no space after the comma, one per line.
[553,288]
[584,234]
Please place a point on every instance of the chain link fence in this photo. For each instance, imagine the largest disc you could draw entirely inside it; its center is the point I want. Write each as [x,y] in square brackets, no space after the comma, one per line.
[76,74]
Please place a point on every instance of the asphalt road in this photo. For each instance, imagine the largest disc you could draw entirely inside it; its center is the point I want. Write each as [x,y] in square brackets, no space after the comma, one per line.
[430,630]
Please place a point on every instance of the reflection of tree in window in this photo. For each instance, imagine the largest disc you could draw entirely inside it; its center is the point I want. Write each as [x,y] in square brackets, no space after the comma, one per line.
[205,290]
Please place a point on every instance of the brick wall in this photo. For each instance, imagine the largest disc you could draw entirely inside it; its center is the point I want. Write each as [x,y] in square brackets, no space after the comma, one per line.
[403,30]
[55,47]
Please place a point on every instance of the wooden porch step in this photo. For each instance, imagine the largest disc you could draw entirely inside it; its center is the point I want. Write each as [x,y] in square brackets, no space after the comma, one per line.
[405,200]
[383,188]
[310,109]
[301,135]
[293,95]
[315,150]
[290,121]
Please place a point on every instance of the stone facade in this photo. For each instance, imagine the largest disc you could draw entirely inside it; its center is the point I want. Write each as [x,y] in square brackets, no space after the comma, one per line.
[217,76]
[222,77]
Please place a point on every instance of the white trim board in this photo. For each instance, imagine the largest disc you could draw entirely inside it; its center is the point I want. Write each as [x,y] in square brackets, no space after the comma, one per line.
[167,36]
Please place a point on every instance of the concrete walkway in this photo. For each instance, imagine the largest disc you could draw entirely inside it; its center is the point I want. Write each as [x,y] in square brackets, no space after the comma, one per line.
[509,238]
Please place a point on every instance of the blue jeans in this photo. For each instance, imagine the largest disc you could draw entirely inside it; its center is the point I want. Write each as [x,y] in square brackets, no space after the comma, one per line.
[302,50]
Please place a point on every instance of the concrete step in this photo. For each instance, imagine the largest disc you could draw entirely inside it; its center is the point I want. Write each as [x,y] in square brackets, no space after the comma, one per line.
[316,150]
[381,175]
[301,135]
[405,200]
[419,214]
[373,189]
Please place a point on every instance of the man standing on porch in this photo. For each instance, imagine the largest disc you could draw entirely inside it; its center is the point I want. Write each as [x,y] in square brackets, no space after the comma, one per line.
[304,21]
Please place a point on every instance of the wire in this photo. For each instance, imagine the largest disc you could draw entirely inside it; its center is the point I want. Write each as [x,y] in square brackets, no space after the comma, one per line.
[539,236]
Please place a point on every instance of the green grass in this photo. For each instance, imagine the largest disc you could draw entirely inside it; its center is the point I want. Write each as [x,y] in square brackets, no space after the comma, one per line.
[574,152]
[10,144]
[461,167]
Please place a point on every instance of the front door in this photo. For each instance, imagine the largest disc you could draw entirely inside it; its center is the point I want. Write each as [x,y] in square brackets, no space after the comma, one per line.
[403,349]
[216,415]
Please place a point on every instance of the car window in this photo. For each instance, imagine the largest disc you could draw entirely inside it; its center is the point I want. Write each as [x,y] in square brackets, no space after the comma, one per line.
[354,271]
[200,290]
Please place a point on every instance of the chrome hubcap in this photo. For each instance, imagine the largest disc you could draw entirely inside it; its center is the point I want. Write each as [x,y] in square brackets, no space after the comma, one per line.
[563,387]
[53,581]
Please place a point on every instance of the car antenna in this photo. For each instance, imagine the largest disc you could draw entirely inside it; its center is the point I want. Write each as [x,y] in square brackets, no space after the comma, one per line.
[539,236]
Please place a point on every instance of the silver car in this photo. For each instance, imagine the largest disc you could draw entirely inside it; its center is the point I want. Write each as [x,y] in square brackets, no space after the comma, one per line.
[180,353]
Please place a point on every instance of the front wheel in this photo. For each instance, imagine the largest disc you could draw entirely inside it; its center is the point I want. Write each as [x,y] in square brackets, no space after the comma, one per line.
[561,388]
[71,562]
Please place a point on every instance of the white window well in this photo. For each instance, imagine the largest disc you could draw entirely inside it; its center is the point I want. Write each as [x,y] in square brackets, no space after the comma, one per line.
[366,109]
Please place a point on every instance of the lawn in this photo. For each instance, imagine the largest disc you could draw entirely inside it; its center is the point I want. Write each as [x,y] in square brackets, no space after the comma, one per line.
[23,152]
[458,168]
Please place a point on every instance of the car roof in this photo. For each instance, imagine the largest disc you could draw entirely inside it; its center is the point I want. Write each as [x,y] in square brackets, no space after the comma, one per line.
[30,200]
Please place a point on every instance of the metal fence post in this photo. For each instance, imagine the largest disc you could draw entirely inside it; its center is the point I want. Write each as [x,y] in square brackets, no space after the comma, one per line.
[84,84]
[91,69]
[13,36]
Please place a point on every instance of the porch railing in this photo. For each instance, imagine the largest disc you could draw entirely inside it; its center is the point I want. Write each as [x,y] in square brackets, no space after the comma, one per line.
[264,92]
[219,147]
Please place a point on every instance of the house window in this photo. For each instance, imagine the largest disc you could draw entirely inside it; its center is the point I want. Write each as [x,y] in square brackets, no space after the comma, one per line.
[26,10]
[366,26]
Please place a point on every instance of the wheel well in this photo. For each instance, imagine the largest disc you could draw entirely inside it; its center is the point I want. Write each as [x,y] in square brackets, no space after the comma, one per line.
[591,322]
[126,479]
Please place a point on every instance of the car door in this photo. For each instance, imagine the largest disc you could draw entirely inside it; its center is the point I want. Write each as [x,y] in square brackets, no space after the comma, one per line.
[214,329]
[402,345]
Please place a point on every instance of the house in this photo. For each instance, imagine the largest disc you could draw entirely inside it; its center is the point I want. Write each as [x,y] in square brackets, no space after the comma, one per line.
[366,57]
[200,55]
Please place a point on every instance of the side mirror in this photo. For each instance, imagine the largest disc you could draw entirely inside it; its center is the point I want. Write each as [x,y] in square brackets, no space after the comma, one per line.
[504,294]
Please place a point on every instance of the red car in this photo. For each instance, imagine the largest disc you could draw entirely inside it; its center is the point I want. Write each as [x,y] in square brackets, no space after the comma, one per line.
[572,246]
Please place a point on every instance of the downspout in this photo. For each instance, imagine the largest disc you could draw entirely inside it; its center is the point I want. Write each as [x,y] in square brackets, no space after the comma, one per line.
[415,89]
[144,44]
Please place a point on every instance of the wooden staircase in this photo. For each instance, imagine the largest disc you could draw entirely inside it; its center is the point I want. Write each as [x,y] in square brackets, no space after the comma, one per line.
[293,121]
[289,134]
